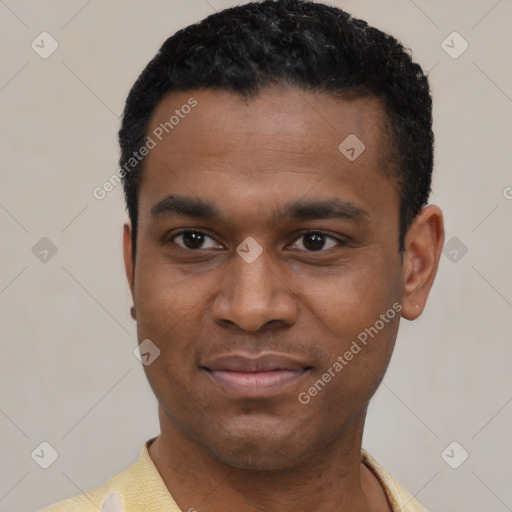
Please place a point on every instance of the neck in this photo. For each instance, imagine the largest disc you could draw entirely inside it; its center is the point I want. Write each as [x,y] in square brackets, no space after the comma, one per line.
[334,480]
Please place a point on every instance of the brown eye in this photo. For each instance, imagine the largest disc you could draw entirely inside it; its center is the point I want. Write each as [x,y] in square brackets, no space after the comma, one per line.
[315,241]
[194,240]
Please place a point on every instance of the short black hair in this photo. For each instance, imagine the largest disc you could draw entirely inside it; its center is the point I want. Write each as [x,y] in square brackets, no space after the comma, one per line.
[299,43]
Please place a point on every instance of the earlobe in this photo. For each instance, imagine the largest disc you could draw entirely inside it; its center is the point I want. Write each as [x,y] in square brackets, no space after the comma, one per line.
[423,245]
[129,264]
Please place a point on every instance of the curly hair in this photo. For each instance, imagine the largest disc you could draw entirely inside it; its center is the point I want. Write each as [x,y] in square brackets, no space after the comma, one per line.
[300,43]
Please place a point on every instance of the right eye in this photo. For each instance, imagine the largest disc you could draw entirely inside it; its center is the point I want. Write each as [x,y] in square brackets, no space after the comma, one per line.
[195,240]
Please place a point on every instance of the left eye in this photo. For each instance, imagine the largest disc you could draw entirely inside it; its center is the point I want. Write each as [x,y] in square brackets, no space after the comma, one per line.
[195,240]
[315,241]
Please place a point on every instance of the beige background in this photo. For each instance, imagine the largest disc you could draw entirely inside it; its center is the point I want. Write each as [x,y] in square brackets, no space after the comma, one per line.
[68,374]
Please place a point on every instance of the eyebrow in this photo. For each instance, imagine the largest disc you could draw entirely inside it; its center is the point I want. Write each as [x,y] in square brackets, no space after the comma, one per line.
[175,206]
[330,209]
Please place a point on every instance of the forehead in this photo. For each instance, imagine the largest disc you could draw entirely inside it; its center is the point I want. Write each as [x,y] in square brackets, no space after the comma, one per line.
[273,147]
[307,120]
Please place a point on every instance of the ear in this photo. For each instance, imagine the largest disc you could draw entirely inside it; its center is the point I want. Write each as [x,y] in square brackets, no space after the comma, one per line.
[129,264]
[423,245]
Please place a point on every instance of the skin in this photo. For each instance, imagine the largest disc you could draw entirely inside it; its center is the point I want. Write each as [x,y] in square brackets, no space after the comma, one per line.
[223,451]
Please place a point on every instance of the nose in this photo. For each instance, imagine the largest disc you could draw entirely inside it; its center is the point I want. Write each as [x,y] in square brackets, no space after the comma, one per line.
[254,296]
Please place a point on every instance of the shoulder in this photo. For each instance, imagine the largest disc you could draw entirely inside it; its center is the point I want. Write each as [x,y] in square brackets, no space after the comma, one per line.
[399,498]
[96,499]
[136,489]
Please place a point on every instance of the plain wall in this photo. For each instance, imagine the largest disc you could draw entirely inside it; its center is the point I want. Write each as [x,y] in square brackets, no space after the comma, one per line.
[67,369]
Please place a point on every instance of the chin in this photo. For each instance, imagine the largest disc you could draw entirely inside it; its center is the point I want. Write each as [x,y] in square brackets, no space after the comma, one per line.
[258,456]
[258,449]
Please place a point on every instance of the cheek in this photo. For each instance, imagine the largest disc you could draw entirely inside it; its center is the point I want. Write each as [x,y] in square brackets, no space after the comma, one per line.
[354,298]
[355,320]
[356,355]
[167,299]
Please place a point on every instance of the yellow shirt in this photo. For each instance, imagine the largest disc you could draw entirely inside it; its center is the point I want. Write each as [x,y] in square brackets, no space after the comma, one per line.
[140,488]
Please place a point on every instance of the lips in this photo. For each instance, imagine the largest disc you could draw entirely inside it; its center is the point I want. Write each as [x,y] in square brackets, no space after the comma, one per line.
[255,376]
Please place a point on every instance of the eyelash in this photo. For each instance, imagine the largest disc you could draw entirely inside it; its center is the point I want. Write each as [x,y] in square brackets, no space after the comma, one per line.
[340,241]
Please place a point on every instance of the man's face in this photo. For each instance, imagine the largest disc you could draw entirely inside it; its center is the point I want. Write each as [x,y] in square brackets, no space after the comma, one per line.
[243,342]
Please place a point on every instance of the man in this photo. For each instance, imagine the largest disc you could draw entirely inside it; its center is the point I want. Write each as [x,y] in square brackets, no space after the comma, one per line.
[277,161]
